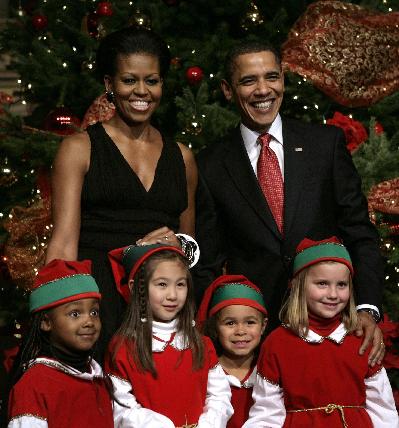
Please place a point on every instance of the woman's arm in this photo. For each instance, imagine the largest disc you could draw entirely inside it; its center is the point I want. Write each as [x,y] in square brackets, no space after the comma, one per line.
[70,166]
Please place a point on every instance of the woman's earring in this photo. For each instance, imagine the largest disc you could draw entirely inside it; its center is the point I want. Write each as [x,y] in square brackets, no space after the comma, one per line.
[110,96]
[193,323]
[143,320]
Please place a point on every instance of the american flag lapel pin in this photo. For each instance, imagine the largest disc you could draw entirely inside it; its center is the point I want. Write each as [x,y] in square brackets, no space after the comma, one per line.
[298,149]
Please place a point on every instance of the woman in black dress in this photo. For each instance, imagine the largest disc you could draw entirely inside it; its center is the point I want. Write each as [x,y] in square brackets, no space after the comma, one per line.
[120,182]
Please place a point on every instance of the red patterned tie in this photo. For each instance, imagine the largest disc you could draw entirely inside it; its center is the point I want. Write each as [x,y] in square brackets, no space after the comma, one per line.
[271,180]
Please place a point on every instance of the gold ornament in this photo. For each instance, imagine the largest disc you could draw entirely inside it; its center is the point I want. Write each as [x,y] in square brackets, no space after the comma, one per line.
[139,19]
[89,65]
[194,126]
[7,175]
[252,17]
[21,12]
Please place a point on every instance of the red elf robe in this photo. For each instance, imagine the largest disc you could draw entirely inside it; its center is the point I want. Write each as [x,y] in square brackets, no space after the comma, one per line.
[296,374]
[179,396]
[241,397]
[51,394]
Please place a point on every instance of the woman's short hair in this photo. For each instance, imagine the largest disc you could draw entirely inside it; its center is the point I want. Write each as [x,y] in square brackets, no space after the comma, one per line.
[127,41]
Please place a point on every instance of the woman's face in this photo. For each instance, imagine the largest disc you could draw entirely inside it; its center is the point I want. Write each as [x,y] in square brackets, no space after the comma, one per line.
[137,87]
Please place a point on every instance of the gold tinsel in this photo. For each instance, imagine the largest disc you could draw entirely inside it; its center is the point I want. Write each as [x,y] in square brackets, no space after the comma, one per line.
[29,231]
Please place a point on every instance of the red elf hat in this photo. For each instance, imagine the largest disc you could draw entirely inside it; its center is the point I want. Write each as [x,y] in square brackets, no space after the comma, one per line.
[126,261]
[61,282]
[229,290]
[311,252]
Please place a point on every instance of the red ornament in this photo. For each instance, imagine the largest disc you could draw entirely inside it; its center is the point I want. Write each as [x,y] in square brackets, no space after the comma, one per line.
[175,62]
[378,128]
[194,75]
[91,23]
[39,22]
[61,121]
[355,132]
[104,8]
[5,99]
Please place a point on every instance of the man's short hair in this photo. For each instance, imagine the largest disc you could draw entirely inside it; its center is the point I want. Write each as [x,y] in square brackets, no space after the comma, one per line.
[243,48]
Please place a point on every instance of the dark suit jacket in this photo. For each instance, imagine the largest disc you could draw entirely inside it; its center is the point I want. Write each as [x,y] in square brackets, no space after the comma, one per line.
[322,198]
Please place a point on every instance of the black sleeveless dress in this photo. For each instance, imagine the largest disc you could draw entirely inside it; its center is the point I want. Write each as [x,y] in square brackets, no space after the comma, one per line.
[116,210]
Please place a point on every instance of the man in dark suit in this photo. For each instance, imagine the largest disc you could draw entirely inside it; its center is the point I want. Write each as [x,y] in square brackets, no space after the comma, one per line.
[237,228]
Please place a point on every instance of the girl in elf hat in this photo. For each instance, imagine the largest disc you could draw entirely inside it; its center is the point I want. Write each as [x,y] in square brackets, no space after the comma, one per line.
[56,382]
[310,373]
[233,315]
[162,369]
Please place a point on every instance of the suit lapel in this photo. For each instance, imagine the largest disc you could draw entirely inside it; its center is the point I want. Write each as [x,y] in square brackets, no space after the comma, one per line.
[240,170]
[294,169]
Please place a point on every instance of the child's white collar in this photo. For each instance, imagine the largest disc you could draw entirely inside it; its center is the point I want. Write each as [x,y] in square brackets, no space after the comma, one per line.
[248,383]
[162,333]
[96,370]
[337,336]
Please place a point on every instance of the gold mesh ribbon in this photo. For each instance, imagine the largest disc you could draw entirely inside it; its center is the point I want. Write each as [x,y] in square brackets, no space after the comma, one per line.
[29,231]
[329,409]
[349,52]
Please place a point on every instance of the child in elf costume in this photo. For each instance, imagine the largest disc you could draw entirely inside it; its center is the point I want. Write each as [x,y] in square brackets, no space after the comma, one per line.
[57,383]
[233,314]
[162,369]
[310,372]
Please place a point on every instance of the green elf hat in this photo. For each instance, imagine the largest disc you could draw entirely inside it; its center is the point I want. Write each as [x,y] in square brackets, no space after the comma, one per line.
[229,290]
[61,282]
[126,261]
[311,252]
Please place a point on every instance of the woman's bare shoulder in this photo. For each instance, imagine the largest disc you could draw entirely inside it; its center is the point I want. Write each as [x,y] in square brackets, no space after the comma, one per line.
[76,148]
[187,154]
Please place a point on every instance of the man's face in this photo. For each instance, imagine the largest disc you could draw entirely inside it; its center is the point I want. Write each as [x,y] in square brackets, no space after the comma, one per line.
[257,87]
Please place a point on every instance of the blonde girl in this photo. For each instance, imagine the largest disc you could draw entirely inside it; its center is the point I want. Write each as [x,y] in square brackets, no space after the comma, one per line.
[310,373]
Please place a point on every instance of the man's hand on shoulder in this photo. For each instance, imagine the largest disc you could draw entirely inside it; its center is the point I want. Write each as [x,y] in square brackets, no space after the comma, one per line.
[368,328]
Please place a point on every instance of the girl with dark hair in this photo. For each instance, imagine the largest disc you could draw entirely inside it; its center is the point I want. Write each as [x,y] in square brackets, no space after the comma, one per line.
[233,314]
[120,181]
[57,383]
[164,372]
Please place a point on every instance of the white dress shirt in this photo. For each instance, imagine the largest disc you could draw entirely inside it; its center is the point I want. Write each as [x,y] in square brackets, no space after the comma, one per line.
[253,147]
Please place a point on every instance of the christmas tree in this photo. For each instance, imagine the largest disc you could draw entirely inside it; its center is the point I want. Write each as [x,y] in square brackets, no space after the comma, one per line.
[52,46]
